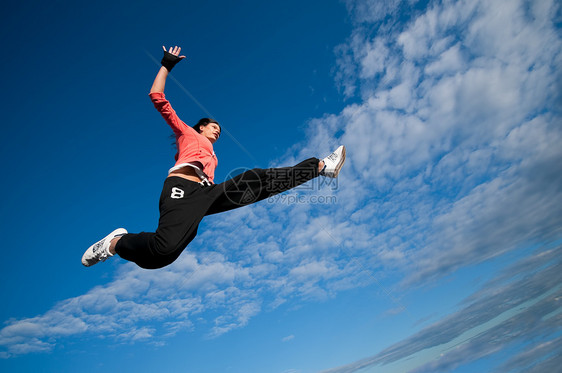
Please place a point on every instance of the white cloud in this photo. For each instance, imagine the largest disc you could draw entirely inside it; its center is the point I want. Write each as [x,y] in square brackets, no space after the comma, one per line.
[137,334]
[288,338]
[450,61]
[375,59]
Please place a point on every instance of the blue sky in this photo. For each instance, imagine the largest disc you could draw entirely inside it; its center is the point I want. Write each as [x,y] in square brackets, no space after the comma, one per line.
[437,250]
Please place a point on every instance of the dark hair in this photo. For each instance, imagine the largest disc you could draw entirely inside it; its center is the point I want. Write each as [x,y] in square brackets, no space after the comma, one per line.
[203,122]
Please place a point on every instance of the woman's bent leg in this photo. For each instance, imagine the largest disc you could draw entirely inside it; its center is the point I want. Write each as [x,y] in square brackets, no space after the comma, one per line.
[182,206]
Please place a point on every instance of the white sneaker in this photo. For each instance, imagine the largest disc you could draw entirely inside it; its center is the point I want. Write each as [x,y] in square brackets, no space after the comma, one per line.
[334,162]
[99,252]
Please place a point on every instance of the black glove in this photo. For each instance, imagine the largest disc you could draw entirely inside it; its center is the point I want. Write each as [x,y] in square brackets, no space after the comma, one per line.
[169,61]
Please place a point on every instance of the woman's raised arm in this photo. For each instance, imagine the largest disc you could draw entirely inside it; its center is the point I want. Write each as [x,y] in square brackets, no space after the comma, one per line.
[170,59]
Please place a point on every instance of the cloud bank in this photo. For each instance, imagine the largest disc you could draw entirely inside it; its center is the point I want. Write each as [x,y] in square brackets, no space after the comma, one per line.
[520,306]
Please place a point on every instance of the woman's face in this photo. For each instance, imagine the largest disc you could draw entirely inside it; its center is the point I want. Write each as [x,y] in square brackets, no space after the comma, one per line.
[212,131]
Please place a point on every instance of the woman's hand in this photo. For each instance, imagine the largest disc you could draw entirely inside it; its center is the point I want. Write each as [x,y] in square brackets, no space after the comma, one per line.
[171,58]
[174,50]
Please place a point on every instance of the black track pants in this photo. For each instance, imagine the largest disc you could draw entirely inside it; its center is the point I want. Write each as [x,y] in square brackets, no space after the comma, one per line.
[184,203]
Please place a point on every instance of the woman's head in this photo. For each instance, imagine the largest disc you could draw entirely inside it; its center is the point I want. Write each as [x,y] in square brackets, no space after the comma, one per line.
[209,128]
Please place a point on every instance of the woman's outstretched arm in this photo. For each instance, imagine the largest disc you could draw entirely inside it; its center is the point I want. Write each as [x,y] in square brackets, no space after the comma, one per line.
[171,58]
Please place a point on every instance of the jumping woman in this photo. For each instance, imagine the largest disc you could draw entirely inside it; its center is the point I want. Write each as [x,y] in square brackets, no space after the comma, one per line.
[189,193]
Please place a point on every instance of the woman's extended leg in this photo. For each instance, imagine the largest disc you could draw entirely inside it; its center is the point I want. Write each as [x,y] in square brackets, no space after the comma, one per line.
[258,184]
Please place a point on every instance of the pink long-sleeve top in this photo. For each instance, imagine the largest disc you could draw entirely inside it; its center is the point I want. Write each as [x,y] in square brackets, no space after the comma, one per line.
[194,149]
